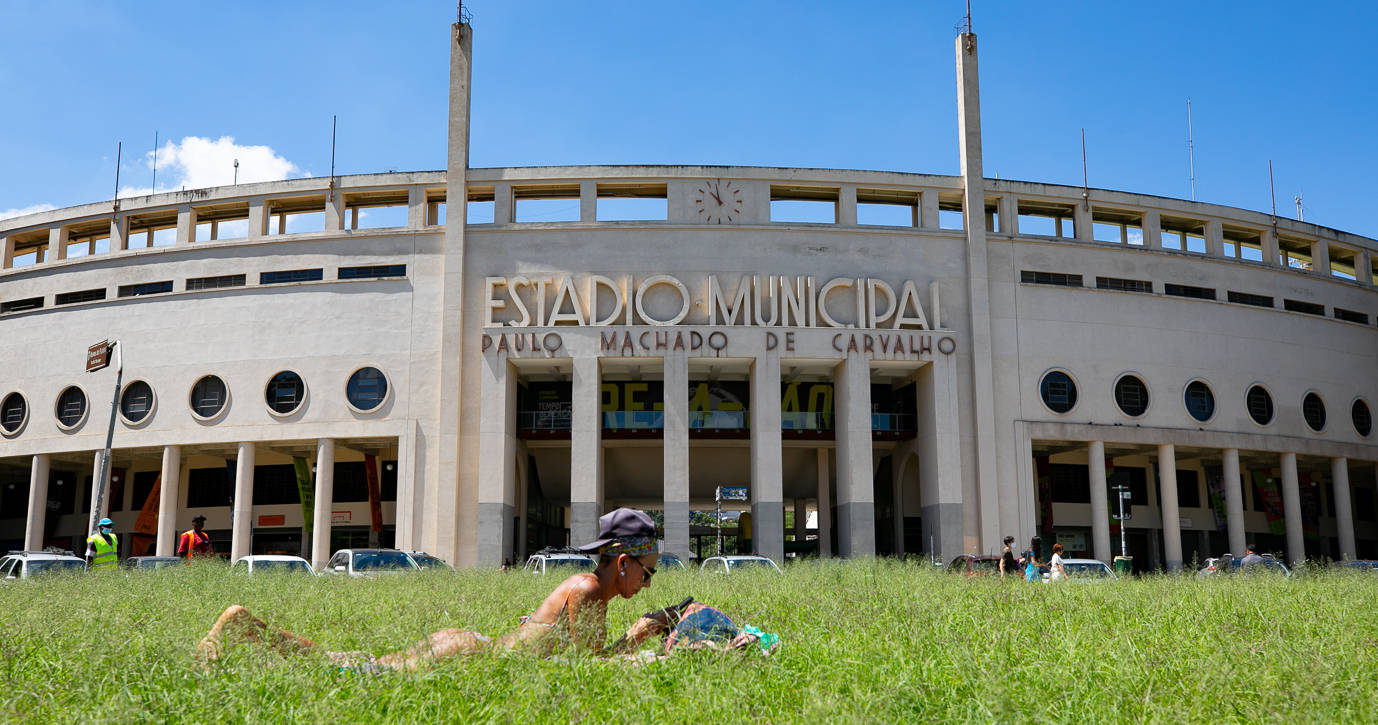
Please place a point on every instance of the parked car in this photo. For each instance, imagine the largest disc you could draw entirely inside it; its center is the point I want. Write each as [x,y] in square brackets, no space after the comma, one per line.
[1231,565]
[429,561]
[366,562]
[25,564]
[670,562]
[1086,569]
[561,561]
[1369,565]
[729,564]
[277,564]
[972,565]
[149,563]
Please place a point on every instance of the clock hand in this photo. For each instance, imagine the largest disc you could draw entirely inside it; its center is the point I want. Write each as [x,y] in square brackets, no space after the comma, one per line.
[715,196]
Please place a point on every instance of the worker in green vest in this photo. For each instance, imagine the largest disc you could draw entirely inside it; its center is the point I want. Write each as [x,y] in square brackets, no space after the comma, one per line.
[102,547]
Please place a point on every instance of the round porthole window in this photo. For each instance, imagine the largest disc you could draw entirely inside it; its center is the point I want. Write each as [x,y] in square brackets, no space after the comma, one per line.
[136,402]
[208,397]
[1260,405]
[1131,395]
[71,407]
[1058,391]
[367,389]
[286,392]
[1362,417]
[1200,401]
[14,412]
[1313,410]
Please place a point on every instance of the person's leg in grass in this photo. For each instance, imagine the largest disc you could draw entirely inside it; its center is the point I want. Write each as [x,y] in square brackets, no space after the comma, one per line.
[239,625]
[438,646]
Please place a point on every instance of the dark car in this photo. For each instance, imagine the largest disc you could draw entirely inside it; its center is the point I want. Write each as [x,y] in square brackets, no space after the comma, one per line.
[1361,565]
[1231,565]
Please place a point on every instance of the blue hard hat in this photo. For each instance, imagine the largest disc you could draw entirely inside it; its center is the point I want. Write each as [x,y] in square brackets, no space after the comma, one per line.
[105,522]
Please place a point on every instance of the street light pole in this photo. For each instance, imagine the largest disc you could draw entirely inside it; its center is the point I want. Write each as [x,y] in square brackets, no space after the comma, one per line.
[98,500]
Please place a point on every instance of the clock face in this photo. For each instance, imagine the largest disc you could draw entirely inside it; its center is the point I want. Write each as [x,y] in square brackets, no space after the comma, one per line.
[718,202]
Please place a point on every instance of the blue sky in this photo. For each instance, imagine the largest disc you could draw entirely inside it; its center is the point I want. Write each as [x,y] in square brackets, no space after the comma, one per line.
[813,84]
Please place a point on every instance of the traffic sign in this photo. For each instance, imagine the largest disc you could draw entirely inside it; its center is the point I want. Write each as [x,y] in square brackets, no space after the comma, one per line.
[733,493]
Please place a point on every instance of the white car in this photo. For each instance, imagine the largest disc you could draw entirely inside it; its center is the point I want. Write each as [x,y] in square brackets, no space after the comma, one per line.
[24,564]
[366,562]
[261,563]
[729,564]
[1086,569]
[559,562]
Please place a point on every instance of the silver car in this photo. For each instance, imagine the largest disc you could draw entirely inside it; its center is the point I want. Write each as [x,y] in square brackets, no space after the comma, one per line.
[732,564]
[25,564]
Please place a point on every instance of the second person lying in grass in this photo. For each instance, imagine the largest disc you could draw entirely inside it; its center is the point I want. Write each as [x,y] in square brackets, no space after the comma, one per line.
[574,614]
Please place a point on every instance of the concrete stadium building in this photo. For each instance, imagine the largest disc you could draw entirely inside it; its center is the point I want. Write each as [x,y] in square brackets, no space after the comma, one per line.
[908,363]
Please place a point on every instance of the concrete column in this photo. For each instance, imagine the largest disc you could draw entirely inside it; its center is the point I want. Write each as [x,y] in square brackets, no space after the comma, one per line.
[38,503]
[846,207]
[1291,509]
[57,242]
[325,498]
[186,224]
[502,205]
[856,513]
[825,514]
[416,207]
[928,209]
[1344,510]
[767,459]
[897,508]
[1234,501]
[1009,214]
[1081,223]
[1269,240]
[1100,505]
[1363,267]
[334,210]
[119,234]
[1320,257]
[258,218]
[1172,516]
[169,484]
[585,451]
[1215,238]
[801,519]
[6,252]
[104,511]
[1153,229]
[676,453]
[241,525]
[588,201]
[497,445]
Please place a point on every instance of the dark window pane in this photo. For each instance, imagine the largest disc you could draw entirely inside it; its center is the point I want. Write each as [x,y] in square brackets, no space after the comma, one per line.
[285,392]
[367,388]
[1058,391]
[1131,395]
[208,396]
[1260,405]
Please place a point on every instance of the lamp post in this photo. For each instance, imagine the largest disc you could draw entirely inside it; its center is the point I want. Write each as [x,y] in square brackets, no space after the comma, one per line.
[98,358]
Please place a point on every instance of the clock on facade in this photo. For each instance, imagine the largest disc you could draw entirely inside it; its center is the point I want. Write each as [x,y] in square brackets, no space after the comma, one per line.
[718,202]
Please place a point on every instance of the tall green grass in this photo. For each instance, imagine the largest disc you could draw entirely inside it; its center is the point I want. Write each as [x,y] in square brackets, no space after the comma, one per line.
[862,642]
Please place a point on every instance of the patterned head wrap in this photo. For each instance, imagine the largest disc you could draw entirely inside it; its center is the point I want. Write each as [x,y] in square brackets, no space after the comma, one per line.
[634,546]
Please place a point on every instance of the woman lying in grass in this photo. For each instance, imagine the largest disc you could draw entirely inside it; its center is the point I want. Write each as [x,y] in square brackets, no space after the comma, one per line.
[574,614]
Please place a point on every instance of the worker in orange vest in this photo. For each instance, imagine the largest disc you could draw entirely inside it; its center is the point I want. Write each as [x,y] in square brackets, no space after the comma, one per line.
[195,542]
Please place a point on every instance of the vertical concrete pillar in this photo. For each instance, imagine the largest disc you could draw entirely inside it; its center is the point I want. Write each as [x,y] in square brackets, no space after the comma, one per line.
[1320,257]
[7,252]
[767,459]
[676,456]
[57,242]
[1009,214]
[1100,505]
[1291,509]
[186,224]
[503,208]
[1215,238]
[928,209]
[1153,229]
[104,510]
[38,503]
[1344,509]
[856,514]
[825,513]
[325,498]
[1172,516]
[1363,267]
[416,207]
[846,207]
[168,486]
[897,508]
[1234,501]
[1081,222]
[334,210]
[241,521]
[588,201]
[119,234]
[1269,241]
[258,218]
[497,462]
[585,451]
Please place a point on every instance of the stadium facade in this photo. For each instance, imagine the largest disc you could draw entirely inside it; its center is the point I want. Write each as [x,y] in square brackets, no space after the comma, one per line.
[908,363]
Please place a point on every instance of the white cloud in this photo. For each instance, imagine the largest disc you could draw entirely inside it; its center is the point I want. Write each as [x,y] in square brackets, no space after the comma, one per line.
[197,162]
[34,209]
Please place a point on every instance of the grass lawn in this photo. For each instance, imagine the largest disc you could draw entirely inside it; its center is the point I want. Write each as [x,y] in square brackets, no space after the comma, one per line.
[862,642]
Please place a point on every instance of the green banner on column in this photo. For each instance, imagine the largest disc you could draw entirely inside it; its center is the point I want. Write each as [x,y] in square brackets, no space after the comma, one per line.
[307,493]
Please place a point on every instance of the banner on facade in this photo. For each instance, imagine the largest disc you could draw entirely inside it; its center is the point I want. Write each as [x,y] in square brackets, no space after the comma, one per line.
[307,493]
[1266,486]
[1215,488]
[1045,494]
[375,494]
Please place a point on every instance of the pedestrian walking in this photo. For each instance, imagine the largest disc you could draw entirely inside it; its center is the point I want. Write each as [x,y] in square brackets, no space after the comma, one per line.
[195,542]
[102,546]
[1031,562]
[1055,571]
[1008,563]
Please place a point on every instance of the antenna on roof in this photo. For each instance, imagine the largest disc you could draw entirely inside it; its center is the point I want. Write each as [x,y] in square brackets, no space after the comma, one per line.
[119,147]
[1191,153]
[155,161]
[1297,199]
[332,157]
[1085,189]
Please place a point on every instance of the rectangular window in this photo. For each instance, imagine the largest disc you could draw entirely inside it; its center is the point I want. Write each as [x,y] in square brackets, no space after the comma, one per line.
[294,275]
[1070,484]
[1188,489]
[1363,504]
[1245,298]
[1309,308]
[803,204]
[1186,290]
[632,202]
[1117,226]
[1124,285]
[31,303]
[209,487]
[1056,278]
[1350,316]
[1294,253]
[1046,219]
[147,288]
[71,298]
[375,272]
[205,283]
[547,203]
[276,485]
[481,205]
[885,207]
